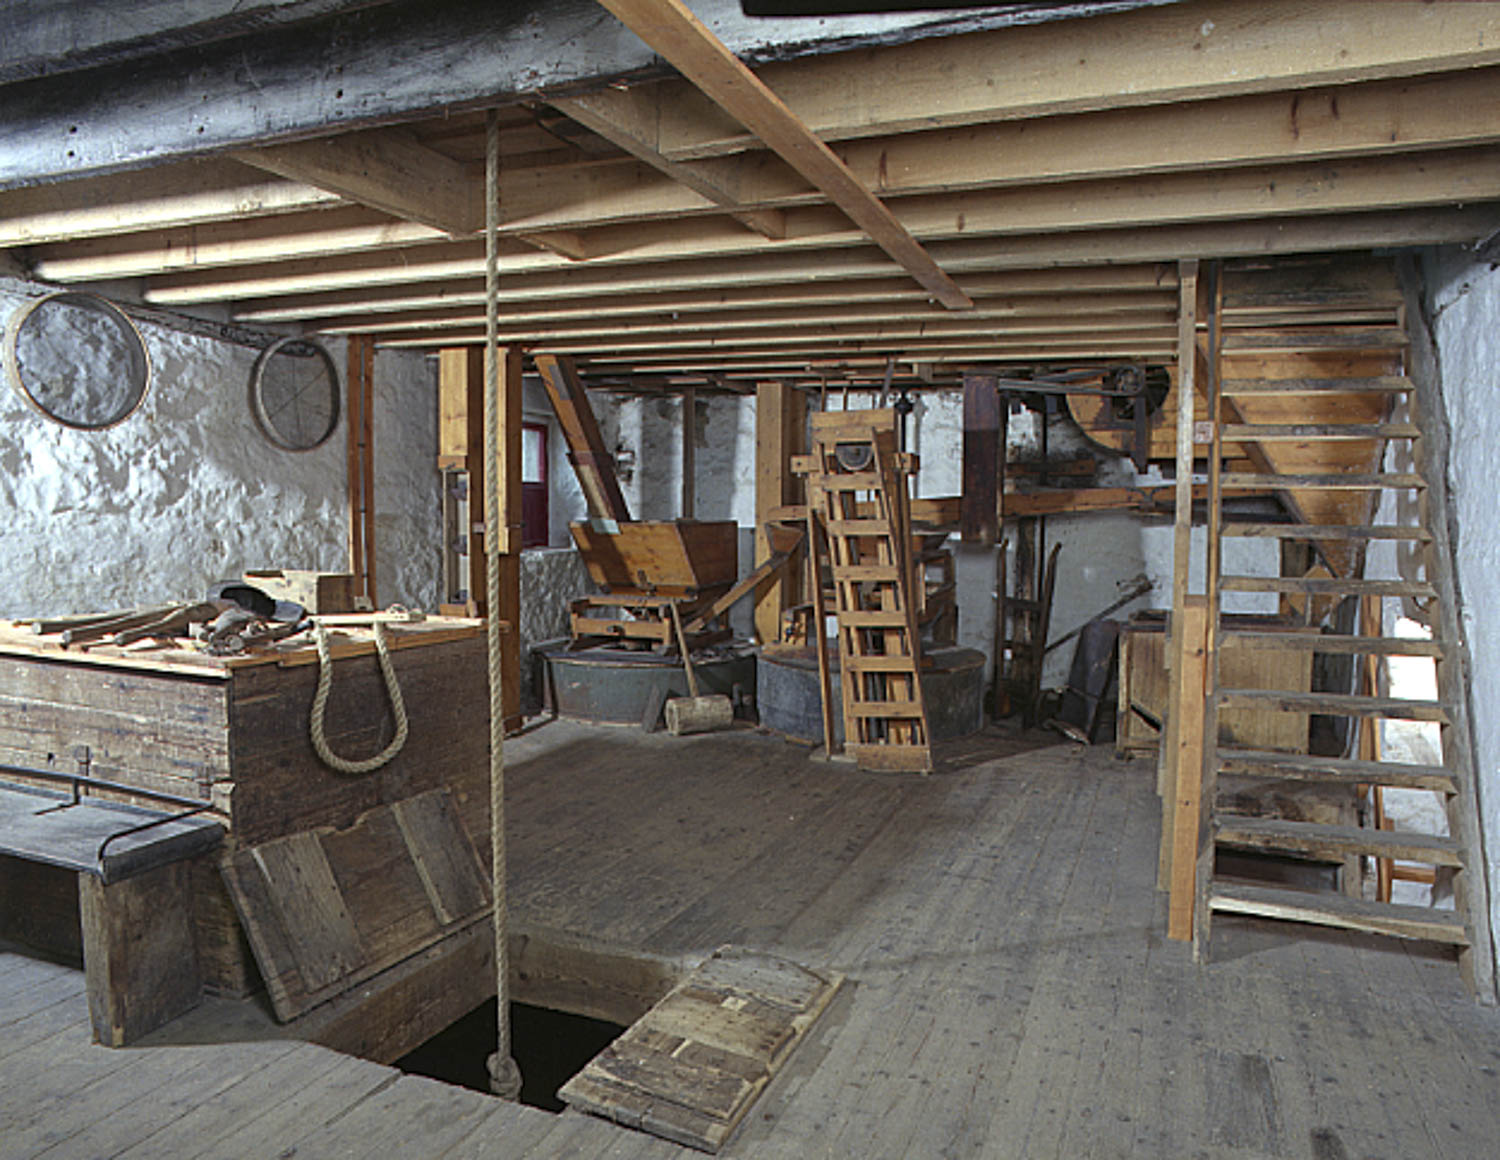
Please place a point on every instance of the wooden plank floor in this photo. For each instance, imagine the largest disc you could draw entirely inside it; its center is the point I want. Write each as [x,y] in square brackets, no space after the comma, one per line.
[1010,992]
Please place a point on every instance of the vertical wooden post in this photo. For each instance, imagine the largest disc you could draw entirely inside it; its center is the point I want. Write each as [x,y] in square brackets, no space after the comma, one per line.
[1190,670]
[978,502]
[461,448]
[140,961]
[779,421]
[689,453]
[359,395]
[507,468]
[1182,541]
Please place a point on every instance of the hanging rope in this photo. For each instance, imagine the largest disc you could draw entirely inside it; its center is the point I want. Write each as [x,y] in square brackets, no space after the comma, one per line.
[320,705]
[505,1076]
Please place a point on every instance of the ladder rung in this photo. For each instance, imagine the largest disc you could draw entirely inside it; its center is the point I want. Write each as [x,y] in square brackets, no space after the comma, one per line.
[857,527]
[879,664]
[1416,922]
[1333,704]
[1321,586]
[872,618]
[1351,482]
[1382,384]
[855,573]
[1305,767]
[901,709]
[1326,532]
[891,758]
[1318,432]
[845,481]
[1335,841]
[1325,642]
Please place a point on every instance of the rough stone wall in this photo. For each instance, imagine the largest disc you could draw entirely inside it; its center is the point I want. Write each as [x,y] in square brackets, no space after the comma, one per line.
[1464,299]
[187,490]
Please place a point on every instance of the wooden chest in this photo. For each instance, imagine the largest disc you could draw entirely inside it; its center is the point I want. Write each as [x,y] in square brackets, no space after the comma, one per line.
[235,731]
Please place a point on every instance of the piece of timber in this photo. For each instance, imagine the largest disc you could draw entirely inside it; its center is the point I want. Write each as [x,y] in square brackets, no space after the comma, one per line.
[672,30]
[1377,481]
[1382,384]
[1338,910]
[1327,531]
[1333,704]
[1333,643]
[1306,767]
[1320,586]
[1319,432]
[1334,842]
[139,957]
[591,460]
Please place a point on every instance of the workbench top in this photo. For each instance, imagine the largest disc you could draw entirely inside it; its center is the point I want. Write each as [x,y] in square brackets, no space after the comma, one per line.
[349,636]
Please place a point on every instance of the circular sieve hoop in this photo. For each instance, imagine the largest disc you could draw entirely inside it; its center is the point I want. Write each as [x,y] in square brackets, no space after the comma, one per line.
[294,393]
[78,359]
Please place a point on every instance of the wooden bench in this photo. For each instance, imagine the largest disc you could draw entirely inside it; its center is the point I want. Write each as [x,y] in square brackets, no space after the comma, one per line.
[139,955]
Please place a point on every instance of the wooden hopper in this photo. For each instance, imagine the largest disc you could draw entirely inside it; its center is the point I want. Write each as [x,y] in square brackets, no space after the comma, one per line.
[681,558]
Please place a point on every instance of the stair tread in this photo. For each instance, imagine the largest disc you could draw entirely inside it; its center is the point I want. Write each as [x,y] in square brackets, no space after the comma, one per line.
[1313,641]
[1305,766]
[1326,531]
[1334,586]
[1314,837]
[1381,384]
[1351,481]
[1316,432]
[1420,922]
[1335,704]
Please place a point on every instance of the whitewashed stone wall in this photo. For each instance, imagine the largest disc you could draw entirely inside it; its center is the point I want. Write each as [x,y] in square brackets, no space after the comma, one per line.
[187,490]
[1464,298]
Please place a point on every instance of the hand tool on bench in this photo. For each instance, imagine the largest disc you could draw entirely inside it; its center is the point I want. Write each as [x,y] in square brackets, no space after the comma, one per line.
[120,622]
[171,624]
[695,713]
[46,625]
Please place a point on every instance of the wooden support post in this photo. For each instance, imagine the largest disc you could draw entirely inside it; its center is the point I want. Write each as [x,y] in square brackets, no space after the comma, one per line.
[507,468]
[818,633]
[359,390]
[779,422]
[591,460]
[1182,540]
[979,501]
[139,958]
[689,453]
[461,448]
[1190,670]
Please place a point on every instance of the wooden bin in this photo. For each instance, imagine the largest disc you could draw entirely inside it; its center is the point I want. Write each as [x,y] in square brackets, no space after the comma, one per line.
[235,731]
[669,558]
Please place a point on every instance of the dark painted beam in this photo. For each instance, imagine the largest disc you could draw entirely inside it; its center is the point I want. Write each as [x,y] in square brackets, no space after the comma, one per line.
[48,37]
[372,65]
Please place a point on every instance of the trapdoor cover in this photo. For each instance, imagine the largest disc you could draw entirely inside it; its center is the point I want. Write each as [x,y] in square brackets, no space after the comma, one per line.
[689,1069]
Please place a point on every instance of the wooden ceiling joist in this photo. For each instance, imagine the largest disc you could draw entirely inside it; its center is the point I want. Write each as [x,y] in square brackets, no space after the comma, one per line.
[385,169]
[1179,52]
[614,114]
[604,318]
[580,294]
[1350,187]
[168,197]
[670,29]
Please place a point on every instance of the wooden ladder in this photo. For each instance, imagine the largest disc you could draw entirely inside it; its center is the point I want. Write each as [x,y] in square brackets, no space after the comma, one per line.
[857,493]
[1358,398]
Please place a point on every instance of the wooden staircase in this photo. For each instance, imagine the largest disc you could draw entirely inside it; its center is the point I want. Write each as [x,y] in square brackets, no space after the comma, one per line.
[1332,483]
[857,494]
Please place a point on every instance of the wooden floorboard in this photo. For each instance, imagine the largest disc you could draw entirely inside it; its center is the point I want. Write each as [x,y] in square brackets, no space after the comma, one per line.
[1010,991]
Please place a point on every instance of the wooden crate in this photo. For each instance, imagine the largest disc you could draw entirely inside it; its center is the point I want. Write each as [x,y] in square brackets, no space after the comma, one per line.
[1145,688]
[234,731]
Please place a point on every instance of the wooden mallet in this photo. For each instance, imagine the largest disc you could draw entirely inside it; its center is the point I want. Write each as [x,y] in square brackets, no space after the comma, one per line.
[695,713]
